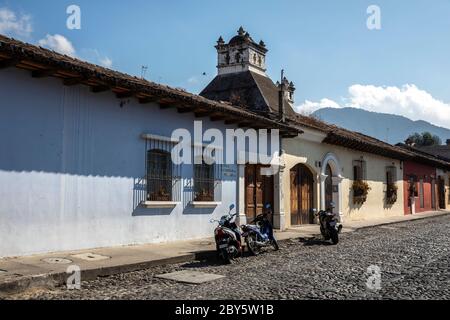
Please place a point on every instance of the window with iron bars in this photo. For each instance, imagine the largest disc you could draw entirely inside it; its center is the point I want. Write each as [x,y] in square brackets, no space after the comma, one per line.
[207,181]
[359,170]
[204,182]
[163,177]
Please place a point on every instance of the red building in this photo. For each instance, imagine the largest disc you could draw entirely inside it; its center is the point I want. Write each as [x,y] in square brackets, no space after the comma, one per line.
[419,187]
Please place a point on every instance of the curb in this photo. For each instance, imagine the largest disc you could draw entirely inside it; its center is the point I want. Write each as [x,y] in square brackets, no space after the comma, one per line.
[52,280]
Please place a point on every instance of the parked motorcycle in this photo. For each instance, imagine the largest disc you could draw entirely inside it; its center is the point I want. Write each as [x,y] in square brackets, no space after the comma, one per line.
[228,237]
[329,224]
[259,233]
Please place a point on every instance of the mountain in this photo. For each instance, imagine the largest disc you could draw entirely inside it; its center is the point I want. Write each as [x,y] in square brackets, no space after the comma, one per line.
[386,127]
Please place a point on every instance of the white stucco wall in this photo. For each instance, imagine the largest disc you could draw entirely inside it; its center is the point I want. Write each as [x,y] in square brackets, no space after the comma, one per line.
[308,152]
[69,160]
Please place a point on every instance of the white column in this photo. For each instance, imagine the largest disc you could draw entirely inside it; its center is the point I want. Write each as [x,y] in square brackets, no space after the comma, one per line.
[241,194]
[337,181]
[279,216]
[323,177]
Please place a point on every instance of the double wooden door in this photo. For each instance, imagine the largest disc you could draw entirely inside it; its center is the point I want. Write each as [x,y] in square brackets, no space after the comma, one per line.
[302,183]
[258,191]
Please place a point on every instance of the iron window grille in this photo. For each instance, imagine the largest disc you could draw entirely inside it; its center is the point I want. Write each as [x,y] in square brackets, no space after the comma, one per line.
[207,180]
[163,177]
[359,170]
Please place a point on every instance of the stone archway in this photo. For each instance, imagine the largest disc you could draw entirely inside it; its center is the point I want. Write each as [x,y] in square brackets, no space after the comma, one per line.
[330,183]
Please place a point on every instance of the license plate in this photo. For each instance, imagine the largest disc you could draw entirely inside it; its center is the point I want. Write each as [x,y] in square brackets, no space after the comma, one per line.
[223,246]
[333,223]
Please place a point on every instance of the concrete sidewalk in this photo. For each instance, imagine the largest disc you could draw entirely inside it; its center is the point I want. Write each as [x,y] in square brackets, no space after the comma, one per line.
[17,274]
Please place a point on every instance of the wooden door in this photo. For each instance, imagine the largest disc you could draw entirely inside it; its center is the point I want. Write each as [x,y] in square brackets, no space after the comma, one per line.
[301,195]
[250,192]
[441,192]
[433,193]
[295,220]
[258,191]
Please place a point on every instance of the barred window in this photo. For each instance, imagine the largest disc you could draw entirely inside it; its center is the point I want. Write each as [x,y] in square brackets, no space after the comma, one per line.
[391,175]
[159,175]
[204,182]
[162,178]
[359,170]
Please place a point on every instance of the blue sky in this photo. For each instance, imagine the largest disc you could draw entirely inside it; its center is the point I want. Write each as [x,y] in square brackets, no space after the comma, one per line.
[324,46]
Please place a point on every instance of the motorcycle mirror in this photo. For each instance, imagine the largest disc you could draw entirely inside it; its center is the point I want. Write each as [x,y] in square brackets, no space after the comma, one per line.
[268,206]
[232,207]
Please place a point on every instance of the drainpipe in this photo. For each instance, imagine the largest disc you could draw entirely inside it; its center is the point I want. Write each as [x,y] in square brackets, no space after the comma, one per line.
[281,99]
[279,215]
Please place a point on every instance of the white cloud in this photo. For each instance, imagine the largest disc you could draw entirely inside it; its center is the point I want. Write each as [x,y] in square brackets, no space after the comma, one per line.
[309,107]
[408,101]
[193,80]
[94,56]
[15,24]
[106,62]
[59,44]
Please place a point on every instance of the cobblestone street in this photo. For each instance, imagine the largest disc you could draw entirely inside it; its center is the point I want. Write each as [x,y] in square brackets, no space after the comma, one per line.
[414,259]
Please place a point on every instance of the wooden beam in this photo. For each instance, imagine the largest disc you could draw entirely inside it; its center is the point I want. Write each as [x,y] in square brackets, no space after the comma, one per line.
[217,118]
[146,100]
[186,109]
[202,114]
[73,81]
[244,124]
[231,121]
[9,63]
[123,95]
[100,88]
[43,73]
[164,105]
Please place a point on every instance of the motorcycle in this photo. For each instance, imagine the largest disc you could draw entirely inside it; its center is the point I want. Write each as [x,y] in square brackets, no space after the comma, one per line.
[329,225]
[228,237]
[259,233]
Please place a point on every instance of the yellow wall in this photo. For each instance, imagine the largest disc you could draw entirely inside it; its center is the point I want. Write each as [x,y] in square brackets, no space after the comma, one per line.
[298,151]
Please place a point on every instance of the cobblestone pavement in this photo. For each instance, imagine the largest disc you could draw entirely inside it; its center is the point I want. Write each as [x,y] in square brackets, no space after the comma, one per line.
[414,259]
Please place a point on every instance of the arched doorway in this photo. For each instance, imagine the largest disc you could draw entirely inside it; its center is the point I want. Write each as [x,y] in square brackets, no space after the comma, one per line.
[302,186]
[330,184]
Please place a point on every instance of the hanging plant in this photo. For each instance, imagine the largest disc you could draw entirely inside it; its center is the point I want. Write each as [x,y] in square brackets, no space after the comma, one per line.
[391,193]
[360,191]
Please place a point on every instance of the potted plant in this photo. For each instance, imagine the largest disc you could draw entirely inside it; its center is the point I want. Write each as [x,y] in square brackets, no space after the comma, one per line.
[391,193]
[360,191]
[204,195]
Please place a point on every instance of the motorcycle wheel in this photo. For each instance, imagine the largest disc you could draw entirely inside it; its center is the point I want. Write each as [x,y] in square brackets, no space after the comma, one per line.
[251,244]
[334,236]
[275,245]
[225,256]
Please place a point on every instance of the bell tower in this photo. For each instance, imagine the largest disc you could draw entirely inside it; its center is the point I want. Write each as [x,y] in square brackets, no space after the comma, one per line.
[240,54]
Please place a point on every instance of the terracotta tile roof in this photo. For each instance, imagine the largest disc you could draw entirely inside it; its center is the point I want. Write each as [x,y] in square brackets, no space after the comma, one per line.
[39,59]
[44,62]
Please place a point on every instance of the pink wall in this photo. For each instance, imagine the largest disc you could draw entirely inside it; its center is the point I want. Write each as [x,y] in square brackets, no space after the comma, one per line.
[421,171]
